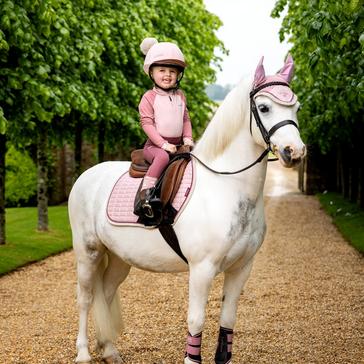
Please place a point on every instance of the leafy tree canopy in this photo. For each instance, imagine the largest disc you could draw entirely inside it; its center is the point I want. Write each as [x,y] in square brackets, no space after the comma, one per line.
[328,45]
[62,60]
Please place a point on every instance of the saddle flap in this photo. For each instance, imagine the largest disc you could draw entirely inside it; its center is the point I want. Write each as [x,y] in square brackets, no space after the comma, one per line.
[172,180]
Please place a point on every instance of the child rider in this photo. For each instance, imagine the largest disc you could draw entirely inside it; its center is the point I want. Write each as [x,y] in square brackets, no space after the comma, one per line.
[163,113]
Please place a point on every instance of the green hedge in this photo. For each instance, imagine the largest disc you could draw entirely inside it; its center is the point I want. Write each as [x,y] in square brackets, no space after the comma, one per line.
[20,179]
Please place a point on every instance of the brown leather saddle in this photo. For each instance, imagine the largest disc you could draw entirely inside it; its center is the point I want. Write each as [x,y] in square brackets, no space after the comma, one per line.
[166,189]
[171,177]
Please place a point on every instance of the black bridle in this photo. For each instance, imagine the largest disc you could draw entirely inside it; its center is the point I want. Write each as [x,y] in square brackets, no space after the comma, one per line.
[254,111]
[265,134]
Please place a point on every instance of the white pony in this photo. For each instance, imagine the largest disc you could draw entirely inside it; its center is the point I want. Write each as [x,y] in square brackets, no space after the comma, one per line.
[219,231]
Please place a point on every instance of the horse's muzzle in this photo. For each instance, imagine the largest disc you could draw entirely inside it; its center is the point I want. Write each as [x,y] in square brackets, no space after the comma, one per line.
[290,156]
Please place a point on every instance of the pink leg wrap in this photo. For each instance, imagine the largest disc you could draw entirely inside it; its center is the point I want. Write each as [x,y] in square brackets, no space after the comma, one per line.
[193,347]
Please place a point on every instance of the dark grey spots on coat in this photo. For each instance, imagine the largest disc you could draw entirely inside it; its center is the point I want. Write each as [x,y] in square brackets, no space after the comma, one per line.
[241,219]
[92,245]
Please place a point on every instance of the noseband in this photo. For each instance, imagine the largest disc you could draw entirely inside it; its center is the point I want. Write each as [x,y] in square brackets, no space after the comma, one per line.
[265,134]
[254,111]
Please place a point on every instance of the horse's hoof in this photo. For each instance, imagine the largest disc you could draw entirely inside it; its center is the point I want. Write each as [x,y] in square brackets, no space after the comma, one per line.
[113,359]
[85,360]
[188,361]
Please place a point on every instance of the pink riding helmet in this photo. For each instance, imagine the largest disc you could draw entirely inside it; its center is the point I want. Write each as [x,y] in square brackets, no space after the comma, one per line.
[161,53]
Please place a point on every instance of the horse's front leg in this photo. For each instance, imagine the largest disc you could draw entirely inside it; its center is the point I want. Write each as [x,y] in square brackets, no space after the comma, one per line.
[234,281]
[201,277]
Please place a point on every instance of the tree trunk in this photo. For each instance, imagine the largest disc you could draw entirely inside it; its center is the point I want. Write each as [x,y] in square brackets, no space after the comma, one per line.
[338,184]
[341,172]
[302,175]
[353,184]
[353,163]
[361,186]
[101,142]
[2,188]
[42,148]
[314,171]
[78,148]
[345,175]
[358,164]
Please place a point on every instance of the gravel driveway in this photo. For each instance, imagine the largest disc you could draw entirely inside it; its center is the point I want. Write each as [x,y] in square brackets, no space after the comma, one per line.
[303,303]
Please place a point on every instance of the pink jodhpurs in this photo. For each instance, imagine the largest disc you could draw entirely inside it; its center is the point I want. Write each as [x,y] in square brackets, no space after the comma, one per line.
[157,157]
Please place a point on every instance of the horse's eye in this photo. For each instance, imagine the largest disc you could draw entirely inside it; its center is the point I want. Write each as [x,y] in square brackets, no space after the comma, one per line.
[263,108]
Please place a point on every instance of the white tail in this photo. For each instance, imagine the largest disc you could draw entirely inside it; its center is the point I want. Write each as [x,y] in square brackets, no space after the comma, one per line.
[108,320]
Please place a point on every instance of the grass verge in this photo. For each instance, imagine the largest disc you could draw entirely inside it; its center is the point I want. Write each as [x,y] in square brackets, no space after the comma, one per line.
[347,216]
[24,244]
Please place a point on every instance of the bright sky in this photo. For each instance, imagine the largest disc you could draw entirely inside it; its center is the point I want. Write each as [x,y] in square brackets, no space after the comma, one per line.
[249,33]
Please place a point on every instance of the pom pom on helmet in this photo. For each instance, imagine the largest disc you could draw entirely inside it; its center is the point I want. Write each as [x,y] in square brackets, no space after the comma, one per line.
[146,44]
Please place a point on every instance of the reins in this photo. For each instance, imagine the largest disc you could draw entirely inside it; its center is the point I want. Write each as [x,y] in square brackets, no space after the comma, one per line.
[265,134]
[260,158]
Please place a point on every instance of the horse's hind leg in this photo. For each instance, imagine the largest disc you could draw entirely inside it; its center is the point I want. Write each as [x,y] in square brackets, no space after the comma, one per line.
[87,268]
[115,273]
[234,281]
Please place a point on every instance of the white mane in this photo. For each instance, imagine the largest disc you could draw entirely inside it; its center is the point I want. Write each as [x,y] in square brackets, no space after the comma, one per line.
[226,123]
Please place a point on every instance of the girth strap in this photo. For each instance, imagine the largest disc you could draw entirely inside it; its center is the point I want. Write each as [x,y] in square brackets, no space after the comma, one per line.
[170,237]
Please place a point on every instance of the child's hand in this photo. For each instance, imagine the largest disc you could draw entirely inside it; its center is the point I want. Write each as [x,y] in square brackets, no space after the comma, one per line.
[171,148]
[188,141]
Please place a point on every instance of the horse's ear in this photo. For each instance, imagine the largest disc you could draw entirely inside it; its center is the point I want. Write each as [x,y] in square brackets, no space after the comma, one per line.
[287,70]
[259,76]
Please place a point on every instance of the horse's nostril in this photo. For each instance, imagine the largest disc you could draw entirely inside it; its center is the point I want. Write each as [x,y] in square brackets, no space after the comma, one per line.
[287,151]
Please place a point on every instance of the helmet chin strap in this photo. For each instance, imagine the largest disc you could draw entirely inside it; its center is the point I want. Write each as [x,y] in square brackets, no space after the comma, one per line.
[167,89]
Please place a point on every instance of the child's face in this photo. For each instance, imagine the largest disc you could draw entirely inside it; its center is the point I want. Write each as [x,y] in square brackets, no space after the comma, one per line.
[165,76]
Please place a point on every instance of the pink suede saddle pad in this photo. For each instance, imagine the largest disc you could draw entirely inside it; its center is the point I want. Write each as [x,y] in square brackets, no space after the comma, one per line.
[120,206]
